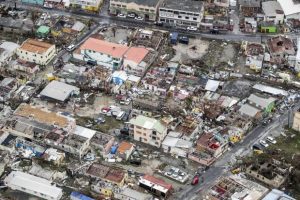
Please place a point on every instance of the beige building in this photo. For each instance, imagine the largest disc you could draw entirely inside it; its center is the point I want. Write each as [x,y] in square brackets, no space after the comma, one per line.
[148,130]
[146,9]
[35,51]
[296,121]
[90,5]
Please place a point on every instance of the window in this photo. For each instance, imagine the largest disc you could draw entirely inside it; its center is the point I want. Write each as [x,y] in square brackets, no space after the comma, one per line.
[187,17]
[147,10]
[144,134]
[123,6]
[179,16]
[154,132]
[194,18]
[176,12]
[113,4]
[154,138]
[145,139]
[141,9]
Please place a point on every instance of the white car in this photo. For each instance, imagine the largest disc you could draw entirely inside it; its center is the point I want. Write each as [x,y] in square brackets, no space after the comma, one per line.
[191,28]
[139,18]
[121,15]
[263,143]
[131,15]
[271,140]
[71,47]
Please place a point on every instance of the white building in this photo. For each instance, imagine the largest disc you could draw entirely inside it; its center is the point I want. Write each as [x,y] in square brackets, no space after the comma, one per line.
[7,50]
[35,51]
[148,130]
[33,185]
[181,12]
[290,8]
[59,91]
[91,5]
[110,55]
[273,12]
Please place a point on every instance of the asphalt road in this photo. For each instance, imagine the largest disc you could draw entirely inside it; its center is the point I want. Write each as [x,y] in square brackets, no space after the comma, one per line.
[105,18]
[220,167]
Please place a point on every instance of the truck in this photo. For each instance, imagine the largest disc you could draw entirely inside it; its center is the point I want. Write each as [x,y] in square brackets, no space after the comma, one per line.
[173,38]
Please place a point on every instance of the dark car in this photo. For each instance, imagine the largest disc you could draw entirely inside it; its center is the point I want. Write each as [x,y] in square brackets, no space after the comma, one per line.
[214,31]
[158,23]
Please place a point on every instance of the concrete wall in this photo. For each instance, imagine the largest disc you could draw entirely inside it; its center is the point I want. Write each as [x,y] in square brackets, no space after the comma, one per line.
[140,10]
[41,59]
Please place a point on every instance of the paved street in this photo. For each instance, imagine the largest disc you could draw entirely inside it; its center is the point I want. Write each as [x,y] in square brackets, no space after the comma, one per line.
[105,18]
[219,169]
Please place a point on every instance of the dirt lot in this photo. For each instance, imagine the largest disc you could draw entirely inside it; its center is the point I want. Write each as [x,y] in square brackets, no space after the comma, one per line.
[195,50]
[121,34]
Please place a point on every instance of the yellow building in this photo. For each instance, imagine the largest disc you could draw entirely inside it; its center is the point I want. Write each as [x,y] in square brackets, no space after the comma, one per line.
[90,5]
[146,9]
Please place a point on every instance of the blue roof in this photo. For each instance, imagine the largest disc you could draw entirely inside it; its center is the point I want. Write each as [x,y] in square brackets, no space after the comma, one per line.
[80,196]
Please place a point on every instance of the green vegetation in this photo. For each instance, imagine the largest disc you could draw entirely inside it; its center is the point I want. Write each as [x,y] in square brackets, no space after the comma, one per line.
[286,150]
[110,123]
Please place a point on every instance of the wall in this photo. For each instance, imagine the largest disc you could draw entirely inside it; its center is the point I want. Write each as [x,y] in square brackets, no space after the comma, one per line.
[140,10]
[187,18]
[296,121]
[41,59]
[102,59]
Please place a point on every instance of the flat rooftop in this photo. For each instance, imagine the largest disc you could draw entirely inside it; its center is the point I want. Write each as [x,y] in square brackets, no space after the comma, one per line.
[41,115]
[184,5]
[35,46]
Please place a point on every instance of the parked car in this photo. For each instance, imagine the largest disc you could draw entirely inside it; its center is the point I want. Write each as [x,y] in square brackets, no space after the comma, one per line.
[121,15]
[131,15]
[158,23]
[271,140]
[105,110]
[195,179]
[71,47]
[263,143]
[126,116]
[125,102]
[100,120]
[191,28]
[214,31]
[89,157]
[120,115]
[139,18]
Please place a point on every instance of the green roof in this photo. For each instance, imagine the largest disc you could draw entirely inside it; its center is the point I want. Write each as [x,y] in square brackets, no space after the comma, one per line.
[43,29]
[148,123]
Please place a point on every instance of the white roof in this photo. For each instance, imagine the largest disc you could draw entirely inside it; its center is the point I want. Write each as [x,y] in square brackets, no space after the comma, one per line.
[9,46]
[170,141]
[270,90]
[289,7]
[246,109]
[78,26]
[33,183]
[153,185]
[134,78]
[270,7]
[120,74]
[84,132]
[212,85]
[260,101]
[277,195]
[58,90]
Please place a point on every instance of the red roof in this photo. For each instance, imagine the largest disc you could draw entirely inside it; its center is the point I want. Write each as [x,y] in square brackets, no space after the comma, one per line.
[136,54]
[157,181]
[108,48]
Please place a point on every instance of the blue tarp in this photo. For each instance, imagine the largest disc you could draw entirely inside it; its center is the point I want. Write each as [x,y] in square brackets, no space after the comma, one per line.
[79,196]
